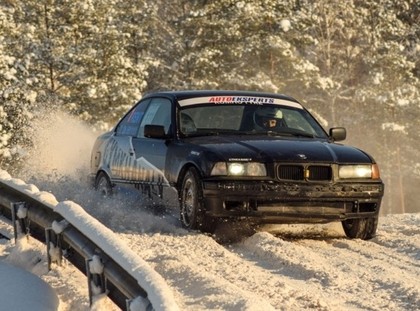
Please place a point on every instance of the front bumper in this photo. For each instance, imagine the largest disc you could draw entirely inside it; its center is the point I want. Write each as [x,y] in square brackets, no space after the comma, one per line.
[281,202]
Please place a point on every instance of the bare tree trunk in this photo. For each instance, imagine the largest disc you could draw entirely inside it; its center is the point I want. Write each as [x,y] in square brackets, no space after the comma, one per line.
[400,180]
[50,56]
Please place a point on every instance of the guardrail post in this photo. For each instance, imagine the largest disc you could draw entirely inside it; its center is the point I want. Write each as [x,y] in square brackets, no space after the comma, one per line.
[54,250]
[54,241]
[19,214]
[128,304]
[139,303]
[95,276]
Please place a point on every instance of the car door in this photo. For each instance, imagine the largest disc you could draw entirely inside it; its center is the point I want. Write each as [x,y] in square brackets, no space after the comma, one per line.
[119,153]
[150,153]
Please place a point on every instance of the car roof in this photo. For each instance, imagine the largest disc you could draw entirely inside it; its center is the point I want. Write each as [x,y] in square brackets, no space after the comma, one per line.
[181,95]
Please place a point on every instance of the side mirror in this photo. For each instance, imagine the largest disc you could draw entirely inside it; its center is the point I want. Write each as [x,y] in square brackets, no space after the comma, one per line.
[338,133]
[154,131]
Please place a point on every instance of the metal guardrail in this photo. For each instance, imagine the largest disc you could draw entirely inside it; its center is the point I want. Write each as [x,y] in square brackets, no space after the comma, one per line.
[38,219]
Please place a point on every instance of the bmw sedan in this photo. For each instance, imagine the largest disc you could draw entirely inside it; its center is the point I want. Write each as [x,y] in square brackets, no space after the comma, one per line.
[221,155]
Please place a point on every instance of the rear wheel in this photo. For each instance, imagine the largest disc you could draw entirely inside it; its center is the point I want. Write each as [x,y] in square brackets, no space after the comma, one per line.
[103,185]
[192,212]
[361,228]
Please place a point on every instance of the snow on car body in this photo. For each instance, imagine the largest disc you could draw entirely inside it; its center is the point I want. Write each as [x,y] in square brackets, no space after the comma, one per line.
[235,154]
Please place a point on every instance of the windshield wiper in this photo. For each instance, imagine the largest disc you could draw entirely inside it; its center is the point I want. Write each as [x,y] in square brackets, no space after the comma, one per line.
[213,132]
[197,134]
[288,133]
[271,133]
[302,134]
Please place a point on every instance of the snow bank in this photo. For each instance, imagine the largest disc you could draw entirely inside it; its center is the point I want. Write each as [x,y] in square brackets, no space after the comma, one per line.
[25,291]
[45,198]
[159,293]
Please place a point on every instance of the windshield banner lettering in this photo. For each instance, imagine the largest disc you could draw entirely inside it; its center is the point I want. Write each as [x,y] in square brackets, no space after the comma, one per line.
[229,100]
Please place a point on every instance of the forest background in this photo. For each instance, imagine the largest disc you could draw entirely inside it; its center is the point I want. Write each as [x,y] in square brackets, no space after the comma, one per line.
[352,63]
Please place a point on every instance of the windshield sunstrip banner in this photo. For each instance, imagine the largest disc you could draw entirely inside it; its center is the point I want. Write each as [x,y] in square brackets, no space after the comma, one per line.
[229,100]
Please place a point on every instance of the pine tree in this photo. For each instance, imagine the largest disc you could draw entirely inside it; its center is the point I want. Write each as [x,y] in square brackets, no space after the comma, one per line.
[18,89]
[241,45]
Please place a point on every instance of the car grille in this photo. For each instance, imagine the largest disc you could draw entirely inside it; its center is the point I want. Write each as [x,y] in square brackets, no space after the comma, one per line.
[301,172]
[290,172]
[319,172]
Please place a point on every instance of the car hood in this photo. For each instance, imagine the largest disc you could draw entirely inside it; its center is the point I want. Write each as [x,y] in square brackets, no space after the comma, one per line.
[273,149]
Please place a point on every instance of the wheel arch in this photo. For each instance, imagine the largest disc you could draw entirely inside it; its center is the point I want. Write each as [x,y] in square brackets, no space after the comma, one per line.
[184,171]
[102,171]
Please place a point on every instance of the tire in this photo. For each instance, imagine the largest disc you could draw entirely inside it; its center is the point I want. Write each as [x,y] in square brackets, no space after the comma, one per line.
[192,212]
[103,185]
[362,228]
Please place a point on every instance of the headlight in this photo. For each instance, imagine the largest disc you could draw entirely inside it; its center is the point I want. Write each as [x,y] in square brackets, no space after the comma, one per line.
[239,169]
[359,171]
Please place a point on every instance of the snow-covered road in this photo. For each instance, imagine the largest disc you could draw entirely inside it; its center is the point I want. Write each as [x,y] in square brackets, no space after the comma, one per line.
[322,271]
[290,267]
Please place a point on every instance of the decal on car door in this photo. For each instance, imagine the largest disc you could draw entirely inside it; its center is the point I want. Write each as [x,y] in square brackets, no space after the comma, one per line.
[120,156]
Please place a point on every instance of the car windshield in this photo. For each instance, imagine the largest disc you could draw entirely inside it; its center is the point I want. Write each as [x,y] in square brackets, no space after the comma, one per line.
[201,120]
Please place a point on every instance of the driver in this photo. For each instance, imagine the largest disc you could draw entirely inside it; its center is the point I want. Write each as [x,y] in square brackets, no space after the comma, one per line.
[268,118]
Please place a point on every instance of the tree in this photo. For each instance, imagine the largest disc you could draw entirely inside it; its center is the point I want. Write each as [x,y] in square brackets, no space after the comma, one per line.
[240,45]
[18,90]
[364,48]
[103,80]
[354,63]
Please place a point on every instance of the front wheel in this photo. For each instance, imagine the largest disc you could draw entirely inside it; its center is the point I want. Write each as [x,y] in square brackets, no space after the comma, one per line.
[361,228]
[192,212]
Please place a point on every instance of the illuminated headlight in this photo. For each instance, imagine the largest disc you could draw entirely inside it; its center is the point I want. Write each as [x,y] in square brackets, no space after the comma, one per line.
[239,169]
[358,171]
[236,169]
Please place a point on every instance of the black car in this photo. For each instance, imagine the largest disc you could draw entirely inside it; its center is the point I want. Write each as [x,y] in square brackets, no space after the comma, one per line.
[239,155]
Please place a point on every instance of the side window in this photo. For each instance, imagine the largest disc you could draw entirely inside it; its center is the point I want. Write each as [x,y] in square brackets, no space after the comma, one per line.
[129,125]
[157,113]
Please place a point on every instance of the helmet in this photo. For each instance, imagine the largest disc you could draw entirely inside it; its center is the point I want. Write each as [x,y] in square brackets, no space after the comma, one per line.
[265,116]
[187,124]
